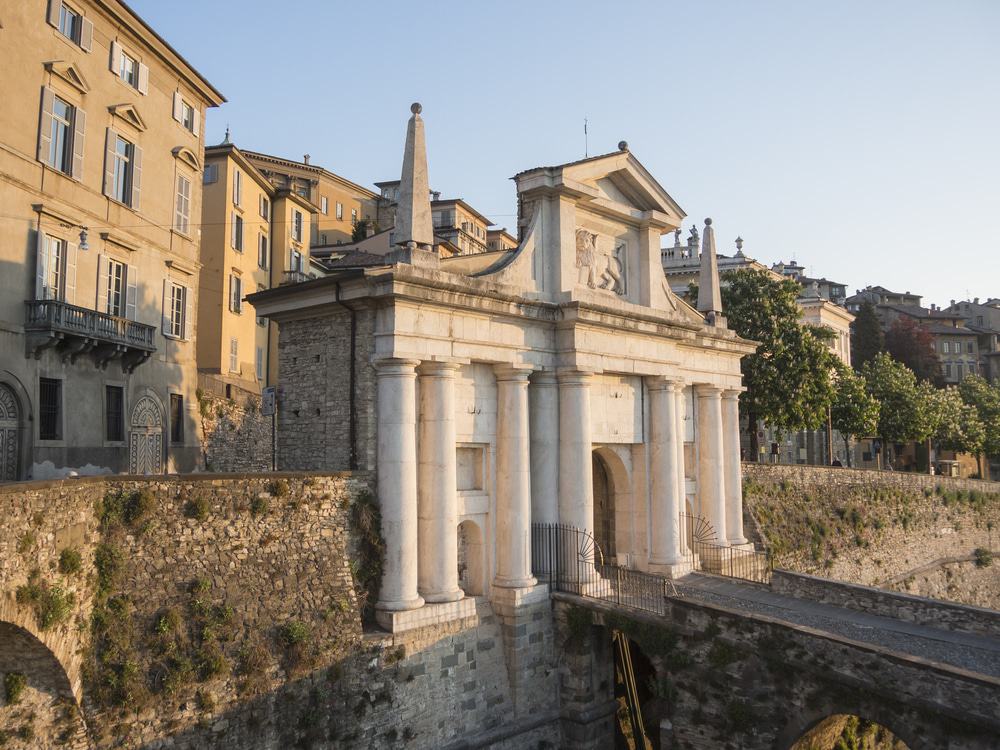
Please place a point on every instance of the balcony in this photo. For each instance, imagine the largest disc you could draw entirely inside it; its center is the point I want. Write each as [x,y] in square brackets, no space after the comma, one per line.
[295,277]
[72,331]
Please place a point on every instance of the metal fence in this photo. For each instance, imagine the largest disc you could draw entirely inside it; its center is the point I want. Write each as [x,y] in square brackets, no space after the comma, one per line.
[705,553]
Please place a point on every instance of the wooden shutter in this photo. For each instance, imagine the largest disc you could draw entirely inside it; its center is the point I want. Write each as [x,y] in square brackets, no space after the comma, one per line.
[131,291]
[69,284]
[86,34]
[115,62]
[53,16]
[41,265]
[178,105]
[102,283]
[167,309]
[232,292]
[195,121]
[143,79]
[45,123]
[232,230]
[188,324]
[79,133]
[136,176]
[109,163]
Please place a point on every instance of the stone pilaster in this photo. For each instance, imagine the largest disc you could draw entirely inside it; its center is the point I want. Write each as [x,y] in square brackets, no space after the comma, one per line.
[711,477]
[397,482]
[513,518]
[665,489]
[437,493]
[543,406]
[733,470]
[576,479]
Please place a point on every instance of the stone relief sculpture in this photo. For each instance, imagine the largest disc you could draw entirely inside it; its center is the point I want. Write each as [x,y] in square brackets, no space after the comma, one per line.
[603,270]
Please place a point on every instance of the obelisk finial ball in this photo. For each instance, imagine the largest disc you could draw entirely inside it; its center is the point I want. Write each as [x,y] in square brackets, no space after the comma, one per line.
[623,145]
[415,108]
[708,222]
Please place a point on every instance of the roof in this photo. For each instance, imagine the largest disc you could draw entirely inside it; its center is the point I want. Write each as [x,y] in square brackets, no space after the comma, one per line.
[568,164]
[915,311]
[308,168]
[942,330]
[824,280]
[352,259]
[233,151]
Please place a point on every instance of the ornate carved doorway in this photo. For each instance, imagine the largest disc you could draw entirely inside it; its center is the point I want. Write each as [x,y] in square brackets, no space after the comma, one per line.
[145,446]
[10,423]
[604,508]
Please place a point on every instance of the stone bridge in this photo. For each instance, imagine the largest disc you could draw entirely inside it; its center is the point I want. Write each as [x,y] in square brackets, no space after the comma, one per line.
[731,664]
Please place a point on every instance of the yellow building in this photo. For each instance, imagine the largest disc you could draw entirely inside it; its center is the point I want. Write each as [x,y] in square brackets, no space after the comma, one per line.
[100,183]
[338,203]
[254,236]
[458,227]
[500,240]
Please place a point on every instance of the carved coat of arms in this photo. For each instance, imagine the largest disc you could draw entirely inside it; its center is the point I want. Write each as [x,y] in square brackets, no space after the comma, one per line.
[601,269]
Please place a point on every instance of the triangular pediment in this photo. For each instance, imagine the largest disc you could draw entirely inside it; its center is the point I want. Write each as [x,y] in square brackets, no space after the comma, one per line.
[129,114]
[187,156]
[69,73]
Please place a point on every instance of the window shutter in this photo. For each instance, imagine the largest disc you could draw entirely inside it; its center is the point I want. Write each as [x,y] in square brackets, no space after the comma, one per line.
[188,324]
[143,79]
[196,122]
[232,230]
[79,133]
[177,106]
[102,283]
[109,163]
[45,123]
[54,7]
[41,266]
[232,292]
[131,291]
[86,34]
[136,176]
[115,63]
[165,315]
[69,285]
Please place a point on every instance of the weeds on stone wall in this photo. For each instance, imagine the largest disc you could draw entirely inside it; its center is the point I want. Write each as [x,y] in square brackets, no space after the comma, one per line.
[983,557]
[365,521]
[122,509]
[70,561]
[26,543]
[14,684]
[197,507]
[51,602]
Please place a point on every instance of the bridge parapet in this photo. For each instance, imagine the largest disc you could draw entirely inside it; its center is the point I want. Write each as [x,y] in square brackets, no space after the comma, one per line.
[936,614]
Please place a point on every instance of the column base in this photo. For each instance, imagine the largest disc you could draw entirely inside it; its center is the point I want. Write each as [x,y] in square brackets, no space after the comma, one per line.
[740,543]
[444,597]
[515,583]
[426,616]
[507,600]
[671,570]
[400,605]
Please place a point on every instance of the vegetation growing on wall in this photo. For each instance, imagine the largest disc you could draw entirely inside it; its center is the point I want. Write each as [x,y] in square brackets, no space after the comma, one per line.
[366,532]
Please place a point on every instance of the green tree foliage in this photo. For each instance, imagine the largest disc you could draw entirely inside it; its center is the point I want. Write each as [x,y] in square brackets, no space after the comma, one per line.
[979,393]
[867,338]
[360,230]
[788,379]
[958,427]
[910,343]
[854,412]
[904,414]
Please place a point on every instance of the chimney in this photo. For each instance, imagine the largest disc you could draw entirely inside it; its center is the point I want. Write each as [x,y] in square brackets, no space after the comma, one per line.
[305,158]
[709,293]
[975,300]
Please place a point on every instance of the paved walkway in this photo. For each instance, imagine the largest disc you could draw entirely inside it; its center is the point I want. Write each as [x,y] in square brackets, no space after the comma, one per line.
[976,653]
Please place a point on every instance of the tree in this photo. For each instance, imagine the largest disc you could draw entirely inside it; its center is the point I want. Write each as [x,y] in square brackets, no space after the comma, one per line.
[360,230]
[985,399]
[910,343]
[905,412]
[788,379]
[867,338]
[854,412]
[958,426]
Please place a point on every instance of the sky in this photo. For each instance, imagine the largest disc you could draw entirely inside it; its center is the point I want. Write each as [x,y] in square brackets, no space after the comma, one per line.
[860,138]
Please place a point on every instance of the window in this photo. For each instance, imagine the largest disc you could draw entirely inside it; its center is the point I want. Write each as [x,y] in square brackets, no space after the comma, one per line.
[185,113]
[61,130]
[979,320]
[128,71]
[53,258]
[324,205]
[183,210]
[116,288]
[947,371]
[946,347]
[49,409]
[340,211]
[187,116]
[211,174]
[265,208]
[354,216]
[235,294]
[297,225]
[259,362]
[176,418]
[234,355]
[121,181]
[262,250]
[69,22]
[60,147]
[114,413]
[968,348]
[176,300]
[295,261]
[959,371]
[237,238]
[237,188]
[261,321]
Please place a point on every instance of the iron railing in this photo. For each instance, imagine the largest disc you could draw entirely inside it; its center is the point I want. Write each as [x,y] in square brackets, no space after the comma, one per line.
[704,552]
[53,315]
[294,277]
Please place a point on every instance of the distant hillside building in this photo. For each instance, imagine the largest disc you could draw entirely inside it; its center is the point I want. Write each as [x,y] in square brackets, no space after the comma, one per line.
[983,319]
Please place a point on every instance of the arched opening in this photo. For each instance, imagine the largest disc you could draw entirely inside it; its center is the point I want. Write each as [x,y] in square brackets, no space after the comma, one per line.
[38,707]
[604,507]
[638,671]
[471,571]
[145,449]
[10,435]
[848,731]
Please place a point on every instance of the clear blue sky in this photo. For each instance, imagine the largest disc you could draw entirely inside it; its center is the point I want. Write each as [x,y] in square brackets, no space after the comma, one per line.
[861,138]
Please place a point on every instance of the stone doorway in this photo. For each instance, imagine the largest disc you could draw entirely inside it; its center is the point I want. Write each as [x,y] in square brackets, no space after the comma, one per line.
[145,446]
[604,507]
[10,427]
[471,576]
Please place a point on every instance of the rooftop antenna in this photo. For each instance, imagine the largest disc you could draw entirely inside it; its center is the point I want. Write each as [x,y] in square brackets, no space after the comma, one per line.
[586,143]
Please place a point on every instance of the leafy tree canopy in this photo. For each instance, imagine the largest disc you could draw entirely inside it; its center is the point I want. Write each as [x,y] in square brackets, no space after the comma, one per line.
[985,398]
[910,343]
[867,338]
[904,414]
[855,412]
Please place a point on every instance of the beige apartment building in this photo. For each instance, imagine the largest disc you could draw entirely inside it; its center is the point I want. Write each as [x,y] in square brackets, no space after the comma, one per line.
[458,227]
[101,141]
[338,203]
[255,236]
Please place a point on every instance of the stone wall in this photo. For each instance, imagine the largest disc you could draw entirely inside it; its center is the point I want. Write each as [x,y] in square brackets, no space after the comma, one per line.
[970,580]
[866,527]
[236,437]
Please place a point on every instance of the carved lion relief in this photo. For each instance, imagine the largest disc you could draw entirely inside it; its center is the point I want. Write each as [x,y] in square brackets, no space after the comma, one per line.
[601,269]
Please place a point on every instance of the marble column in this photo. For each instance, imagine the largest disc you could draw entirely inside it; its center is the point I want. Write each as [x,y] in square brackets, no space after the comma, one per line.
[437,577]
[576,477]
[543,421]
[711,470]
[665,497]
[397,482]
[734,469]
[681,468]
[513,546]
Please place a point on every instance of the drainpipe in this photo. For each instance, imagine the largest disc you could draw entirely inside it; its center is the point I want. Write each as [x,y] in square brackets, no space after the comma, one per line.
[352,427]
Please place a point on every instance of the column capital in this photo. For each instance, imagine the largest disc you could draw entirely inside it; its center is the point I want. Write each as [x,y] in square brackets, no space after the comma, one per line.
[664,383]
[515,372]
[732,394]
[707,390]
[438,368]
[544,377]
[569,376]
[396,366]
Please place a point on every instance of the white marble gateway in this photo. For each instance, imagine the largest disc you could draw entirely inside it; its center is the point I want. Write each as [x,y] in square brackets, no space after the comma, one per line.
[558,382]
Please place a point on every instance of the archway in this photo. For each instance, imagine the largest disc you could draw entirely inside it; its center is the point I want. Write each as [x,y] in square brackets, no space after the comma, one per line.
[838,731]
[38,707]
[145,448]
[471,571]
[604,507]
[10,438]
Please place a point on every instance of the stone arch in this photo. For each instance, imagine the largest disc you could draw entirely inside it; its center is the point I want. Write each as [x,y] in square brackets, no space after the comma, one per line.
[145,437]
[804,721]
[15,428]
[471,559]
[612,496]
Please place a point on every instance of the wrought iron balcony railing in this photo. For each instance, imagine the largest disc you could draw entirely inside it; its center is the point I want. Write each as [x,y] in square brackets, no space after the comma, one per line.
[294,277]
[73,331]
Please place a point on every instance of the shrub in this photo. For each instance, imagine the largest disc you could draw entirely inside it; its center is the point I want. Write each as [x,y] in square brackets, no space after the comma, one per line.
[130,509]
[294,633]
[51,602]
[205,701]
[259,505]
[279,488]
[983,557]
[212,661]
[197,508]
[109,562]
[70,561]
[26,542]
[14,684]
